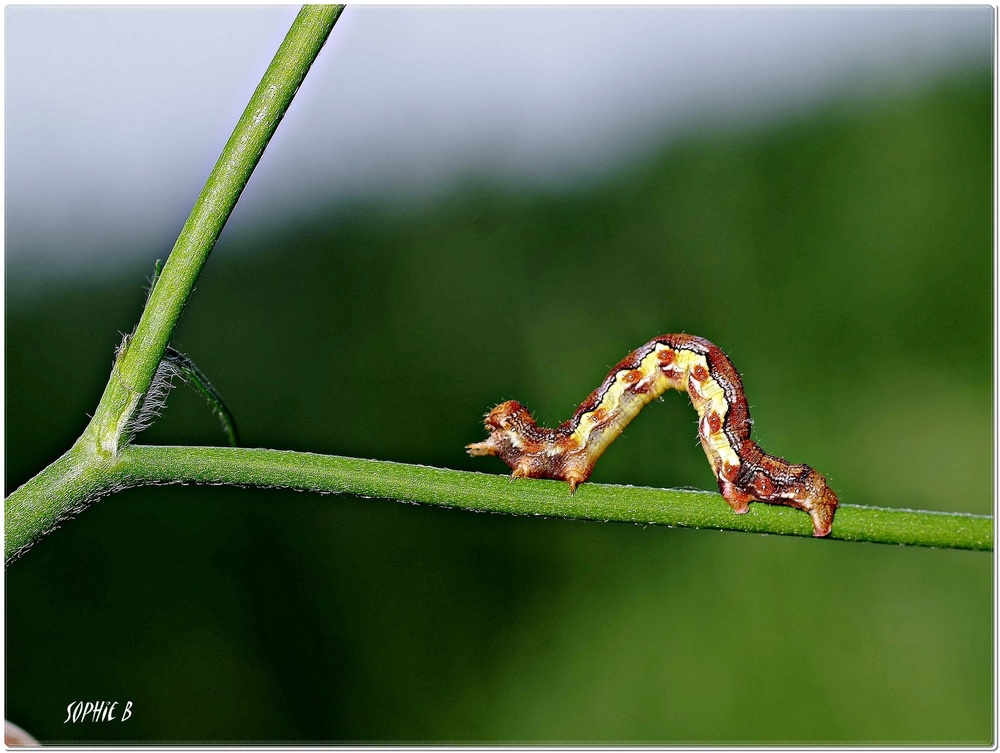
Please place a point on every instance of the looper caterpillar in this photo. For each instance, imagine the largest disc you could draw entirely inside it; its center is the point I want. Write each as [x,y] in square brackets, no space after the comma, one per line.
[681,362]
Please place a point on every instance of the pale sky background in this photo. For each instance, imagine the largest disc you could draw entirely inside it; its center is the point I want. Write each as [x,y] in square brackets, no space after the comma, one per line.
[115,114]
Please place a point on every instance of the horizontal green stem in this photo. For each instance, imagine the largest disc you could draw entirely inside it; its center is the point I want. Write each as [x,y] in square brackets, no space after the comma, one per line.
[138,465]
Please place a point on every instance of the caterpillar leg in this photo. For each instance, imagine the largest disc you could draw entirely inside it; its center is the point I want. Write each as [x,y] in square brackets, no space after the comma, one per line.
[797,486]
[739,501]
[820,502]
[479,449]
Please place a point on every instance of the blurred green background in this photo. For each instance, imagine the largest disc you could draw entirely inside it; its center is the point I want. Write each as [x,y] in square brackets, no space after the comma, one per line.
[842,258]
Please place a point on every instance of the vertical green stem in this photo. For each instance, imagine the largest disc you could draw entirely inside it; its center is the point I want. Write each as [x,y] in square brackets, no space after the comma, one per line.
[136,364]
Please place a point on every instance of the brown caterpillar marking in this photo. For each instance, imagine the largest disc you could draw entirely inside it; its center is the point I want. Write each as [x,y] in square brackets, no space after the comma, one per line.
[680,362]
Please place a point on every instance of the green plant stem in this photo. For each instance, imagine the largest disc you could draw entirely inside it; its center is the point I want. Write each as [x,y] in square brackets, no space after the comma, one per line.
[82,474]
[491,493]
[139,465]
[35,508]
[136,365]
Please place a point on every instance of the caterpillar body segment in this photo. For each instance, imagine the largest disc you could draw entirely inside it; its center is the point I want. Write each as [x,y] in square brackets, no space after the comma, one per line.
[681,362]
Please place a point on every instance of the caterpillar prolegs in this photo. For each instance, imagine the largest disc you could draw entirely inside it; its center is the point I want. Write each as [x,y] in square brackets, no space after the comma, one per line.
[681,362]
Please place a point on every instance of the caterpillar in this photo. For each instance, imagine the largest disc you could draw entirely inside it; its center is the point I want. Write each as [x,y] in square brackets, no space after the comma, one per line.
[681,362]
